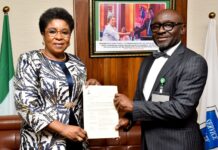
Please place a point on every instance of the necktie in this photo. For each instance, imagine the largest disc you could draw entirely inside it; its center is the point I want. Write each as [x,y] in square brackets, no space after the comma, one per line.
[157,54]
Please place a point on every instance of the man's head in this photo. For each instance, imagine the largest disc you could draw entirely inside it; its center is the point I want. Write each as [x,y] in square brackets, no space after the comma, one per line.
[167,28]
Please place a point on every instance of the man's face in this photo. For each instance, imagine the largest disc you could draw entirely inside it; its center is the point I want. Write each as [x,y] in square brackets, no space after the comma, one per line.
[163,38]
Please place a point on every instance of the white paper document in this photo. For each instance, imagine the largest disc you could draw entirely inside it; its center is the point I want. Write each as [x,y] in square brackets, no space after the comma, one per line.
[100,114]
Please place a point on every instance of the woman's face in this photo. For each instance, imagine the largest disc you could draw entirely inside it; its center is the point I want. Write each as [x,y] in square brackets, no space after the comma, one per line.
[113,22]
[56,37]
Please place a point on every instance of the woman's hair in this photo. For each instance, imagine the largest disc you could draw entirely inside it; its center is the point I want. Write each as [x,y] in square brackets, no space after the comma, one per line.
[55,13]
[109,17]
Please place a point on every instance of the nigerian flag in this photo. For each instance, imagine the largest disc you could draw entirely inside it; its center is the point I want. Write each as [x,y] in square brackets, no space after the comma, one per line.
[6,71]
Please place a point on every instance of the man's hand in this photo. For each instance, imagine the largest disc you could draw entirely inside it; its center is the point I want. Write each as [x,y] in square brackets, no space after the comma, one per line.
[123,103]
[123,123]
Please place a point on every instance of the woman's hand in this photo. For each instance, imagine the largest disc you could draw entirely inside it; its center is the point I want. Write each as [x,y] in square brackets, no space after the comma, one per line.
[92,82]
[74,133]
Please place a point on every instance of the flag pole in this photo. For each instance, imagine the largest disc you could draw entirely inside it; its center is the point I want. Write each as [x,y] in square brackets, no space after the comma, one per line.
[208,112]
[212,15]
[6,9]
[7,106]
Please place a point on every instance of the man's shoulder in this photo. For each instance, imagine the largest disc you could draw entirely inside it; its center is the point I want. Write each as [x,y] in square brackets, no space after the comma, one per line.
[189,52]
[193,53]
[192,56]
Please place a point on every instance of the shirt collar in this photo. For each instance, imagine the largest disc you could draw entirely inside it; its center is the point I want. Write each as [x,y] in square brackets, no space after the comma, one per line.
[172,49]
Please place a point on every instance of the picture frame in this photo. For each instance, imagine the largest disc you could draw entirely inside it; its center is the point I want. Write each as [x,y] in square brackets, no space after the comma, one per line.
[120,28]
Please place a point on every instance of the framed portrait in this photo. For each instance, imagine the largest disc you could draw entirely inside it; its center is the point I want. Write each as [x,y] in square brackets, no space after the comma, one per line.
[121,28]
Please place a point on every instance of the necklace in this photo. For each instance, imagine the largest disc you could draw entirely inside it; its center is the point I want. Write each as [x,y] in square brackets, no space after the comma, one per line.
[54,59]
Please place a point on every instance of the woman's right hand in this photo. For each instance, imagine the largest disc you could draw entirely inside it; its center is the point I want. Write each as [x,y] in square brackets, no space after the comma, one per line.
[74,133]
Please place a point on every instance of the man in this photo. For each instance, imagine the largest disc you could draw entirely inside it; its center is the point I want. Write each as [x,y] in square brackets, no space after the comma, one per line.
[146,24]
[168,91]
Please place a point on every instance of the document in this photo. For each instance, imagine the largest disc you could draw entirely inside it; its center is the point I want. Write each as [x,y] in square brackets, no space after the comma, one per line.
[100,114]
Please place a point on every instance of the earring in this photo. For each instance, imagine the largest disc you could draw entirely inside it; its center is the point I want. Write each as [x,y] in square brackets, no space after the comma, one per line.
[43,43]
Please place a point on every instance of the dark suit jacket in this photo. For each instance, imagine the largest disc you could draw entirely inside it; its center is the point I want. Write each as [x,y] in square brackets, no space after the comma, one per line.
[172,125]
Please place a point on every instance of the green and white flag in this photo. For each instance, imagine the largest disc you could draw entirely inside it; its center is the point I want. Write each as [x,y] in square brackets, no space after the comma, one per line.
[7,106]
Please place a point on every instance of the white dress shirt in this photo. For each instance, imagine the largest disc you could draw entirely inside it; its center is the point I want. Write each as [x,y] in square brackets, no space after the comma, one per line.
[154,71]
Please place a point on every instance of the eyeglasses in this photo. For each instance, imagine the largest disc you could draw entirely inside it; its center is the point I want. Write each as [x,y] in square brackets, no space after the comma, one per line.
[54,32]
[167,26]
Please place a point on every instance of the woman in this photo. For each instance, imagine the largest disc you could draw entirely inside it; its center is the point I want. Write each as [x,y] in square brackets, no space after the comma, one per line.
[48,87]
[110,32]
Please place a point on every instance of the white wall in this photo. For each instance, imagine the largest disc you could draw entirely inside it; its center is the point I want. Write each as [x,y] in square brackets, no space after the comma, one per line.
[23,19]
[24,16]
[197,22]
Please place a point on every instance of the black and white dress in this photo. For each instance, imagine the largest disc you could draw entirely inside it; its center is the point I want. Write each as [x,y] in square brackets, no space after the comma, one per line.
[42,90]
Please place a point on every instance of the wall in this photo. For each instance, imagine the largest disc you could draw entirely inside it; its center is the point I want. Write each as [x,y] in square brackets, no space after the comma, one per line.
[122,72]
[197,23]
[23,19]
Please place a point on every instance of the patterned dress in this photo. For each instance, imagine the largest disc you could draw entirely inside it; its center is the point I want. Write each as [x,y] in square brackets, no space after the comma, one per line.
[42,96]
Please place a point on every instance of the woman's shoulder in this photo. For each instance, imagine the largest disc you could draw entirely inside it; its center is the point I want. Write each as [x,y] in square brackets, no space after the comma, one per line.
[33,57]
[31,54]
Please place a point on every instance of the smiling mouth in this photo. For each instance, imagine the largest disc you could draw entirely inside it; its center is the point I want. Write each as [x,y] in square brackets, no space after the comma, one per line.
[160,39]
[58,45]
